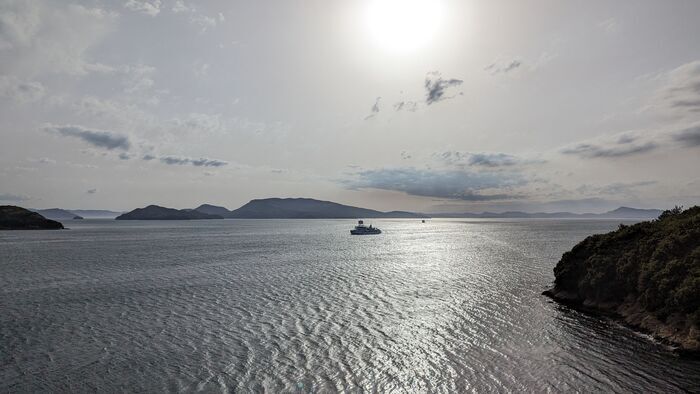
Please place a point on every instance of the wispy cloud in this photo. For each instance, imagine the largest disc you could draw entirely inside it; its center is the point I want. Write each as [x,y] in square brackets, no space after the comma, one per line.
[375,109]
[405,105]
[98,138]
[21,91]
[500,67]
[621,145]
[181,6]
[458,185]
[436,87]
[610,25]
[148,7]
[203,162]
[91,191]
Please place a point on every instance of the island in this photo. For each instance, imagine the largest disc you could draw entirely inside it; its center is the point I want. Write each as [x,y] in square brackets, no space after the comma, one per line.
[17,218]
[619,213]
[646,274]
[155,212]
[301,208]
[57,214]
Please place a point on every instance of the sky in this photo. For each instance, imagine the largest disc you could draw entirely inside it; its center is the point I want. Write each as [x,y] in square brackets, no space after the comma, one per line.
[430,106]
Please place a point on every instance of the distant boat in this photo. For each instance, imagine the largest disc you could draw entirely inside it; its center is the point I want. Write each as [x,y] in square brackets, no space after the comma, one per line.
[361,229]
[422,221]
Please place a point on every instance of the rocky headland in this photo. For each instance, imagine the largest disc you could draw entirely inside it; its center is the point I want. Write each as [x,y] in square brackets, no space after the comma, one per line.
[647,274]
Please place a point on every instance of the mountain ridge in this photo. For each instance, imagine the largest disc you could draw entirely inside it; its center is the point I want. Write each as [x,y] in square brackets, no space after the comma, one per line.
[308,208]
[618,213]
[155,212]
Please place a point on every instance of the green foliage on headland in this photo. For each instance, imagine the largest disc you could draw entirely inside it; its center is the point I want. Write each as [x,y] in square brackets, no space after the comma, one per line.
[655,264]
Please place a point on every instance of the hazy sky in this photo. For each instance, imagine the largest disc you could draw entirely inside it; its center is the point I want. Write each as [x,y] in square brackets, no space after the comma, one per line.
[445,105]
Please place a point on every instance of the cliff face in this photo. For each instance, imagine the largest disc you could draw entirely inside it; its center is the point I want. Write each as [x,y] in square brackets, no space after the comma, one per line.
[16,218]
[647,273]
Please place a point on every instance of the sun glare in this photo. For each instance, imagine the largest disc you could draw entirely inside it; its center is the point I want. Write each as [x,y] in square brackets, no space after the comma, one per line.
[403,25]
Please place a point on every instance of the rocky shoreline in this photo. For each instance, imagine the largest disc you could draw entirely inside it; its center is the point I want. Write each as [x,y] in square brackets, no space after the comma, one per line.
[676,331]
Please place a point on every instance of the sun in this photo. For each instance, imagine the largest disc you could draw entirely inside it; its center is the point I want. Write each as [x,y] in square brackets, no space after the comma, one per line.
[403,25]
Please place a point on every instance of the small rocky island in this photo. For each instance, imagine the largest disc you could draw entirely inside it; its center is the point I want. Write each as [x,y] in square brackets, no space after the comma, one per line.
[648,274]
[155,212]
[17,218]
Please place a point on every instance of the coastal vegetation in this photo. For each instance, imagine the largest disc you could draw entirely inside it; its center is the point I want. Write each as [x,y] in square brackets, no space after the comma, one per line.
[647,273]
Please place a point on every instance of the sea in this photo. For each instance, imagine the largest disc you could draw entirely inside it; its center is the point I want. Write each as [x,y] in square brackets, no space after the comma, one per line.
[302,306]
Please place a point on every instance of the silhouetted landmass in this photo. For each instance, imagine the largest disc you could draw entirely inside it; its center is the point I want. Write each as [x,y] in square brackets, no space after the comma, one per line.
[647,273]
[17,218]
[57,214]
[304,208]
[213,210]
[619,213]
[95,213]
[154,212]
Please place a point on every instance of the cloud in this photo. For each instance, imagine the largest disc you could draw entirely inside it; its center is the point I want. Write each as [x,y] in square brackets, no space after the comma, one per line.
[180,6]
[148,157]
[622,145]
[38,38]
[375,109]
[436,87]
[148,7]
[500,67]
[98,138]
[610,25]
[682,90]
[200,123]
[138,78]
[124,156]
[407,105]
[519,66]
[21,91]
[457,185]
[489,160]
[689,137]
[13,197]
[91,191]
[174,160]
[46,160]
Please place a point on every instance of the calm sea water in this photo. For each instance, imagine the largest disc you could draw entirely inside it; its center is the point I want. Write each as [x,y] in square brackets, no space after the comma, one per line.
[300,305]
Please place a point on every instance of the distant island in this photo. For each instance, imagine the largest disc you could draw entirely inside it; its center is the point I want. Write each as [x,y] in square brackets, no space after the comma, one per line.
[308,208]
[95,213]
[57,214]
[647,273]
[76,214]
[301,208]
[154,212]
[619,213]
[16,218]
[269,208]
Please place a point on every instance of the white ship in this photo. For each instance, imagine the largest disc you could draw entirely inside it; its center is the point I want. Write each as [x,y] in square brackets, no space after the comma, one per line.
[361,229]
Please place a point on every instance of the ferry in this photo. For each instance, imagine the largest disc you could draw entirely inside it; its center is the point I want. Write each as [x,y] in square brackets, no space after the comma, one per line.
[361,229]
